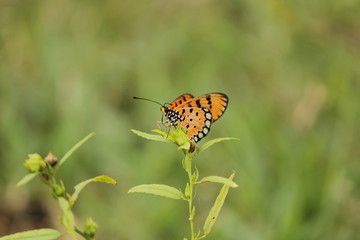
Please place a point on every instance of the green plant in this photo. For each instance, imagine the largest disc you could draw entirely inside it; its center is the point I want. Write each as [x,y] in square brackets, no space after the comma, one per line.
[46,169]
[179,137]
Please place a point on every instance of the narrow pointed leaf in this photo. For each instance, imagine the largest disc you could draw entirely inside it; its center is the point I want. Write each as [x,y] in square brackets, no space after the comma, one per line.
[164,134]
[151,136]
[217,179]
[198,235]
[168,135]
[196,174]
[73,149]
[80,186]
[39,234]
[158,189]
[214,212]
[27,178]
[212,142]
[187,190]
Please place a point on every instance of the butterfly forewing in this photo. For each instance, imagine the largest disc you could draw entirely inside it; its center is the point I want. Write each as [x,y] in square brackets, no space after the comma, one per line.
[215,102]
[180,100]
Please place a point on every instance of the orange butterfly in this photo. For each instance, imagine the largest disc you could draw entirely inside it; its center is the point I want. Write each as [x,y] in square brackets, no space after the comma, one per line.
[195,114]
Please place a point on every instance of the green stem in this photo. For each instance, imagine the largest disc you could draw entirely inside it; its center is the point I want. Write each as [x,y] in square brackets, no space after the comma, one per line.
[82,234]
[191,216]
[188,169]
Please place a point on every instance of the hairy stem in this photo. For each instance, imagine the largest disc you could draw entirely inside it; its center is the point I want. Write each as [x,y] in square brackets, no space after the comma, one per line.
[188,169]
[191,215]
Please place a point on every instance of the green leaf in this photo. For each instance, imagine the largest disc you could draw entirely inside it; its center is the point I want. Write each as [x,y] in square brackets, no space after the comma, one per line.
[27,178]
[214,212]
[185,146]
[217,179]
[68,219]
[195,174]
[213,141]
[80,186]
[187,190]
[39,234]
[73,149]
[193,212]
[167,135]
[151,136]
[164,134]
[198,235]
[180,138]
[158,189]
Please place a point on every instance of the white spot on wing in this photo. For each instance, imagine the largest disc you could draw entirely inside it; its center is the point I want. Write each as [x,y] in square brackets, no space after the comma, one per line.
[205,130]
[207,123]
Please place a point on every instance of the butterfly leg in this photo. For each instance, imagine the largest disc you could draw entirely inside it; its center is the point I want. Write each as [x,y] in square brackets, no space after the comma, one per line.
[160,125]
[167,124]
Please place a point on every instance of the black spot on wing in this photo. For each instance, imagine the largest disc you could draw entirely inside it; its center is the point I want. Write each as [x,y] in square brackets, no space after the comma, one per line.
[198,103]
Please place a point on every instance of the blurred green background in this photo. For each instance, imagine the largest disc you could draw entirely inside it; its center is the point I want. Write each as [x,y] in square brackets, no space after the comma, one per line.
[291,71]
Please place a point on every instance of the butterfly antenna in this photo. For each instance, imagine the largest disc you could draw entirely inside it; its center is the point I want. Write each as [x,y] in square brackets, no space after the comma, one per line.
[146,99]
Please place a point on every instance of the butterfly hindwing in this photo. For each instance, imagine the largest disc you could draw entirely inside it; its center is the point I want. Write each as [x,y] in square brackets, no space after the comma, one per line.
[215,102]
[197,122]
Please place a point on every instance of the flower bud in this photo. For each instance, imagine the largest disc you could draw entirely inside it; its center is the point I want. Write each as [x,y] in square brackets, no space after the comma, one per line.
[90,228]
[34,163]
[51,159]
[180,138]
[58,190]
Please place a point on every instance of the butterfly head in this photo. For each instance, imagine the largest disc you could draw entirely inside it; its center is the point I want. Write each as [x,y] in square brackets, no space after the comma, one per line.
[164,109]
[172,116]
